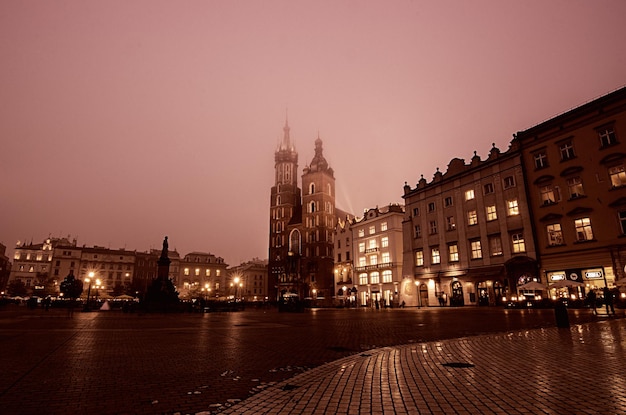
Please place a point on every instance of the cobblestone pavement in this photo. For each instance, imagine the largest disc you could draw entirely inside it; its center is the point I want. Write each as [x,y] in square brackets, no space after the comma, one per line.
[262,360]
[580,370]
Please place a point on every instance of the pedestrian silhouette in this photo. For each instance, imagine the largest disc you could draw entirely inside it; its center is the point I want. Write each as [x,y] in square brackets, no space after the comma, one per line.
[591,299]
[608,301]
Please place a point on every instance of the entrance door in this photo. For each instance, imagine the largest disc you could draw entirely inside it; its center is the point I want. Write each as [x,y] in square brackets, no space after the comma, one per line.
[457,295]
[483,293]
[423,300]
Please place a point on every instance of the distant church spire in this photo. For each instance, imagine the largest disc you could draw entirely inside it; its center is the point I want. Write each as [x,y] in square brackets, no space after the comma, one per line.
[286,144]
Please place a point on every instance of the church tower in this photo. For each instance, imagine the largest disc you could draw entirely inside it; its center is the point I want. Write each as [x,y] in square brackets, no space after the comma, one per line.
[285,207]
[318,225]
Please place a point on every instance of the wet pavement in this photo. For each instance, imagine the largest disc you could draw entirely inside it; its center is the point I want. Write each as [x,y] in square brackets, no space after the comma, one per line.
[470,360]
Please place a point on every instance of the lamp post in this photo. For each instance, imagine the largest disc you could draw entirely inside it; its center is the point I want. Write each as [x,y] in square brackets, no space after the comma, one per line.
[88,280]
[98,285]
[236,281]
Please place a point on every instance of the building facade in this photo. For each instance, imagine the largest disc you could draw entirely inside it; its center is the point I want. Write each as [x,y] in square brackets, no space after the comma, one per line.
[378,254]
[251,280]
[575,168]
[202,274]
[467,234]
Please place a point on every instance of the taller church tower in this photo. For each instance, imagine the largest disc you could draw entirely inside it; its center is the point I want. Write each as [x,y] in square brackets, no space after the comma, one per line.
[285,206]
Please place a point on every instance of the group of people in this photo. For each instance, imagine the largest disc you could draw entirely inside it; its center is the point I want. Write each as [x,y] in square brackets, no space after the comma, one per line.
[592,299]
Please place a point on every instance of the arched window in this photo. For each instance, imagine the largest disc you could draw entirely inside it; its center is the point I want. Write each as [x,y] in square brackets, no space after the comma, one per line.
[277,200]
[294,241]
[312,188]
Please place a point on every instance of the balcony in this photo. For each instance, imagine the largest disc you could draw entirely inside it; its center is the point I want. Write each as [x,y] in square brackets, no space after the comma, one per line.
[384,265]
[370,250]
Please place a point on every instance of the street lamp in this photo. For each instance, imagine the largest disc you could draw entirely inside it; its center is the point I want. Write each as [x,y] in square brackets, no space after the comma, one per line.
[236,281]
[88,280]
[98,285]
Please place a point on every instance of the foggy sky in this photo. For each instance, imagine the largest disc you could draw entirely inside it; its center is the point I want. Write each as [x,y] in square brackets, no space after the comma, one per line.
[125,121]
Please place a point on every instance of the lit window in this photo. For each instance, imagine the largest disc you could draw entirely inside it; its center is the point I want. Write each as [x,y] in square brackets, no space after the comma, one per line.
[555,235]
[197,271]
[491,212]
[361,246]
[448,201]
[362,261]
[453,252]
[186,271]
[418,231]
[375,278]
[469,194]
[384,241]
[477,251]
[385,258]
[541,160]
[217,272]
[575,186]
[387,276]
[488,188]
[622,221]
[207,272]
[495,245]
[583,229]
[518,243]
[547,195]
[419,258]
[472,217]
[363,279]
[373,259]
[509,181]
[372,230]
[433,227]
[383,226]
[436,257]
[617,175]
[512,207]
[567,151]
[607,137]
[450,223]
[371,244]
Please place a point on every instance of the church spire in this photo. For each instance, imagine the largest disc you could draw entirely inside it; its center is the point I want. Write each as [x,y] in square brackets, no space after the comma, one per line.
[286,144]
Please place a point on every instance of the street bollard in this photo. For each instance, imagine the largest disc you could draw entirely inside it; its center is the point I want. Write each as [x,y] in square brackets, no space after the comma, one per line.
[560,312]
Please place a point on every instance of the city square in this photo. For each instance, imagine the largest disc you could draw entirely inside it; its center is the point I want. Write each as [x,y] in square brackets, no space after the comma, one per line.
[243,362]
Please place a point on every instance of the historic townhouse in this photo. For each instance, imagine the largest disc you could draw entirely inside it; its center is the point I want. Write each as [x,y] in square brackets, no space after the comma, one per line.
[467,234]
[574,165]
[202,274]
[32,263]
[251,279]
[377,253]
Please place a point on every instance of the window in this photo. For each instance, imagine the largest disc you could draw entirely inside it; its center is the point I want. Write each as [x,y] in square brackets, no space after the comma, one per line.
[518,243]
[383,226]
[469,194]
[477,251]
[472,217]
[541,160]
[361,233]
[512,207]
[363,279]
[555,235]
[448,201]
[622,221]
[416,212]
[207,272]
[548,196]
[495,245]
[197,272]
[617,175]
[567,151]
[607,136]
[453,253]
[385,258]
[450,223]
[583,229]
[509,182]
[384,241]
[339,257]
[432,227]
[491,213]
[375,278]
[217,272]
[418,231]
[362,261]
[419,258]
[372,230]
[373,259]
[186,271]
[371,244]
[387,276]
[431,207]
[575,186]
[435,255]
[488,188]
